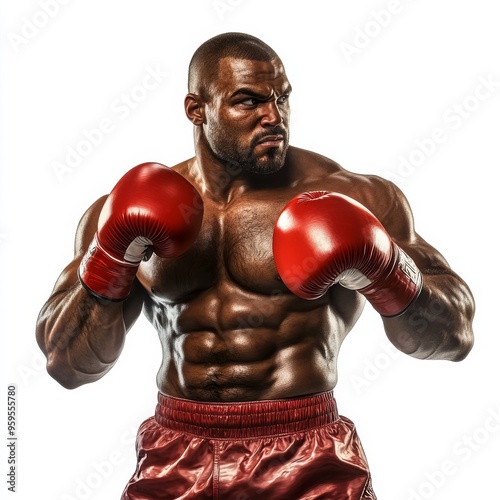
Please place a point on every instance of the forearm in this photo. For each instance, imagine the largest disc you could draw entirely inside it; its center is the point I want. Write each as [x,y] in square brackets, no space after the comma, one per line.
[438,325]
[80,336]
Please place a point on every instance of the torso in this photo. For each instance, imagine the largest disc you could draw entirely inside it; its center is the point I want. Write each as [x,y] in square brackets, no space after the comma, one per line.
[229,328]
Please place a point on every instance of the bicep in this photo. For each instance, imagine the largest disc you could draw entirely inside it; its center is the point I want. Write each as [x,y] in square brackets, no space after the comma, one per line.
[400,225]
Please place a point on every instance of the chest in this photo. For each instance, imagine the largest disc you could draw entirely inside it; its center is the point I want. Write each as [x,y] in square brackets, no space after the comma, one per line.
[234,244]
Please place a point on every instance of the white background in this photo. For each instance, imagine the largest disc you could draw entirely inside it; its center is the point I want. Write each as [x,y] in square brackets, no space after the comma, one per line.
[371,79]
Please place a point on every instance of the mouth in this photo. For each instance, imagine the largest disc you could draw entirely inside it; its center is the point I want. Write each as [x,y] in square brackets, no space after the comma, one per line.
[271,141]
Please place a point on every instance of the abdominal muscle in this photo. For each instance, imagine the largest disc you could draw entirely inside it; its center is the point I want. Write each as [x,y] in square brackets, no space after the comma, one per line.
[239,346]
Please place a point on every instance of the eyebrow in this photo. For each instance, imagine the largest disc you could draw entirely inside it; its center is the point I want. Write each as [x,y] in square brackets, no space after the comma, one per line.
[245,91]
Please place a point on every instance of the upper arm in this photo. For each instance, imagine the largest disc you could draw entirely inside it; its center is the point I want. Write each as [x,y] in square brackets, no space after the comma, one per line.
[439,323]
[394,212]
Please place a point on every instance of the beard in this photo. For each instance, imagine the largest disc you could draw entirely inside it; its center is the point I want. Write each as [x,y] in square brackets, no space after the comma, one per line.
[226,148]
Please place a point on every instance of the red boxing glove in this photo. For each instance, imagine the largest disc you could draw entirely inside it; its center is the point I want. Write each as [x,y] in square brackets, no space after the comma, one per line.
[323,238]
[151,207]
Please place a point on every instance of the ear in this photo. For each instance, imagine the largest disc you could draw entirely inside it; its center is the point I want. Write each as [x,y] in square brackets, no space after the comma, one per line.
[195,109]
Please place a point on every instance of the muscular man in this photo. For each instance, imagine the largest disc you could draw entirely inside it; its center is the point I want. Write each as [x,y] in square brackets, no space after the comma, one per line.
[253,261]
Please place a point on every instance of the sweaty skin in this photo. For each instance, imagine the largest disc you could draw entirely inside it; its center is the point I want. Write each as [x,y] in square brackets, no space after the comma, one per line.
[229,328]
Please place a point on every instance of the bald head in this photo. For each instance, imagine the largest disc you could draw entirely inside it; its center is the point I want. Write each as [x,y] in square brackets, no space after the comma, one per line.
[204,65]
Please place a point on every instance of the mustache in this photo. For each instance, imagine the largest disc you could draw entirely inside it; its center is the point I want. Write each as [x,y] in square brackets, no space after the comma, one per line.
[278,130]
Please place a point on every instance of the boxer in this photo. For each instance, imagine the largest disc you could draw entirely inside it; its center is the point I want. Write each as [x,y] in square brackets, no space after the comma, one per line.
[253,261]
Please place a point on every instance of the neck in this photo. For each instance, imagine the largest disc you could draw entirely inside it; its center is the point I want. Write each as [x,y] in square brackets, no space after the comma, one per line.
[221,180]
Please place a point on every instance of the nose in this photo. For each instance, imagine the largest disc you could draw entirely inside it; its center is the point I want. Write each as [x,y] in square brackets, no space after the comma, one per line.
[271,114]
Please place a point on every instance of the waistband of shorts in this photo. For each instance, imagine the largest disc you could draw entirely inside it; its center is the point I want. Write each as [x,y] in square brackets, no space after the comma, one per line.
[246,419]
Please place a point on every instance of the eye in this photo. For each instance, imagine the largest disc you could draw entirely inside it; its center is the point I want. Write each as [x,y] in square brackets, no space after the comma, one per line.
[282,99]
[251,101]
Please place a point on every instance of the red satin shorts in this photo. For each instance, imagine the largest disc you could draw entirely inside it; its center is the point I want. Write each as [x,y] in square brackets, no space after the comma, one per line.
[290,449]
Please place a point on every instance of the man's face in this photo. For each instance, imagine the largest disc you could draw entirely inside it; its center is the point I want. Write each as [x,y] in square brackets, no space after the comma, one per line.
[247,115]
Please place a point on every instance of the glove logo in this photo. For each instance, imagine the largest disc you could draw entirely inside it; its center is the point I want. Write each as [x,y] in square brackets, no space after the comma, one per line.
[409,268]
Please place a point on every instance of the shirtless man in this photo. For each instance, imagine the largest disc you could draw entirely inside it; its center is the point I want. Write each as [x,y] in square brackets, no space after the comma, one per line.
[252,260]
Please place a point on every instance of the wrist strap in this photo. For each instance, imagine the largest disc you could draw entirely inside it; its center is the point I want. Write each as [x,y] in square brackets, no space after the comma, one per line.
[105,276]
[393,293]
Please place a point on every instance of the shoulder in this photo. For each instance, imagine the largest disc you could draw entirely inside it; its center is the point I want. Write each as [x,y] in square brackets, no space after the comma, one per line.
[314,169]
[379,195]
[87,225]
[184,167]
[308,165]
